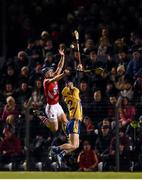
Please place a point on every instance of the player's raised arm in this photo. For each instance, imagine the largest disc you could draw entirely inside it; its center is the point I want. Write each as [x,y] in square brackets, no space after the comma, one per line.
[61,62]
[58,76]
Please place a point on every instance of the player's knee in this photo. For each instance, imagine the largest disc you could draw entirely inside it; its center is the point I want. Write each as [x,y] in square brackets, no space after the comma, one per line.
[75,146]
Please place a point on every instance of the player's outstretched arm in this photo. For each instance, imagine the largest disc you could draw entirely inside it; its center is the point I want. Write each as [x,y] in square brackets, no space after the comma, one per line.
[61,62]
[58,76]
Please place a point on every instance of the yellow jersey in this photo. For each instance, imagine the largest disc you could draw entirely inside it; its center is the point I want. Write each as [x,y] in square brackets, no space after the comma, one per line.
[72,99]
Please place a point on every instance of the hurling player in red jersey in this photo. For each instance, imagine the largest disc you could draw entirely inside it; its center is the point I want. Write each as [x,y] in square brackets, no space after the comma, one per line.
[53,110]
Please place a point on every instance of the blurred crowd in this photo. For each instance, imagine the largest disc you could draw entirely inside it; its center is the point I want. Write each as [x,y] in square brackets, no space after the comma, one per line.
[111,51]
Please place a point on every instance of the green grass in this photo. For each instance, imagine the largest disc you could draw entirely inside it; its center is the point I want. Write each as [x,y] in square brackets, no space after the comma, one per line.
[69,175]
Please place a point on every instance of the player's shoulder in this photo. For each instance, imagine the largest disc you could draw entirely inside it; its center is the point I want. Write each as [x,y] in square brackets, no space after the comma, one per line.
[65,91]
[45,81]
[48,81]
[76,89]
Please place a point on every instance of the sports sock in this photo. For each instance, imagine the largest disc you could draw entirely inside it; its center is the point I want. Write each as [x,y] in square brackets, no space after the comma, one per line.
[62,153]
[55,135]
[56,149]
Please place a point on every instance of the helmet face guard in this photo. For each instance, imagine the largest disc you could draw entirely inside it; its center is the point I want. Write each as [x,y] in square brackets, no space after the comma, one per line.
[45,70]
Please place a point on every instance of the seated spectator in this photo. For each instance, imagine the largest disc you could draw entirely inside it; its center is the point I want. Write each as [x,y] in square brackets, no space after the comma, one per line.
[89,44]
[120,81]
[111,107]
[23,94]
[127,90]
[37,98]
[110,88]
[30,46]
[127,112]
[123,58]
[21,60]
[104,44]
[134,129]
[10,109]
[102,145]
[10,76]
[119,44]
[124,158]
[99,108]
[124,148]
[49,60]
[105,122]
[85,96]
[88,125]
[10,148]
[87,158]
[135,65]
[137,97]
[123,137]
[36,58]
[8,90]
[35,73]
[24,74]
[113,74]
[93,62]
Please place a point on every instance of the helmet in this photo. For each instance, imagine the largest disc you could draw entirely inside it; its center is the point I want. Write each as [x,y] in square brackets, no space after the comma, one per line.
[46,69]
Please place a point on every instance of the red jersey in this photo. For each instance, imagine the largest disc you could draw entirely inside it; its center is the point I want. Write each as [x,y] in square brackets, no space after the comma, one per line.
[87,159]
[51,92]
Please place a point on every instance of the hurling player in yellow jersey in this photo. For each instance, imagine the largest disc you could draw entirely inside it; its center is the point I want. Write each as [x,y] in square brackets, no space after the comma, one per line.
[71,97]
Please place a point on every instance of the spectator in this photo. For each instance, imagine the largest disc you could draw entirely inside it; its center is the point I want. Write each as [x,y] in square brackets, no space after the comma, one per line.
[93,62]
[23,94]
[125,160]
[30,46]
[35,73]
[22,60]
[89,127]
[123,58]
[102,145]
[124,148]
[85,95]
[110,89]
[111,107]
[8,90]
[135,65]
[10,109]
[87,158]
[99,108]
[10,148]
[37,97]
[89,44]
[120,77]
[49,60]
[127,112]
[10,76]
[127,90]
[24,74]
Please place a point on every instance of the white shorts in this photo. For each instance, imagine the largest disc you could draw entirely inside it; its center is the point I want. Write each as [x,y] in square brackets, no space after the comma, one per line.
[53,111]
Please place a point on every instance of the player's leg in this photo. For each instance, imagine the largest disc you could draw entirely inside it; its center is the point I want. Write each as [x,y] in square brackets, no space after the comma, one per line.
[44,119]
[62,117]
[67,147]
[73,129]
[72,145]
[52,125]
[51,121]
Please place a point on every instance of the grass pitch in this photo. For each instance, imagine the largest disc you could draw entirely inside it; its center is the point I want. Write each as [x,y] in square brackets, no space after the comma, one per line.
[70,175]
